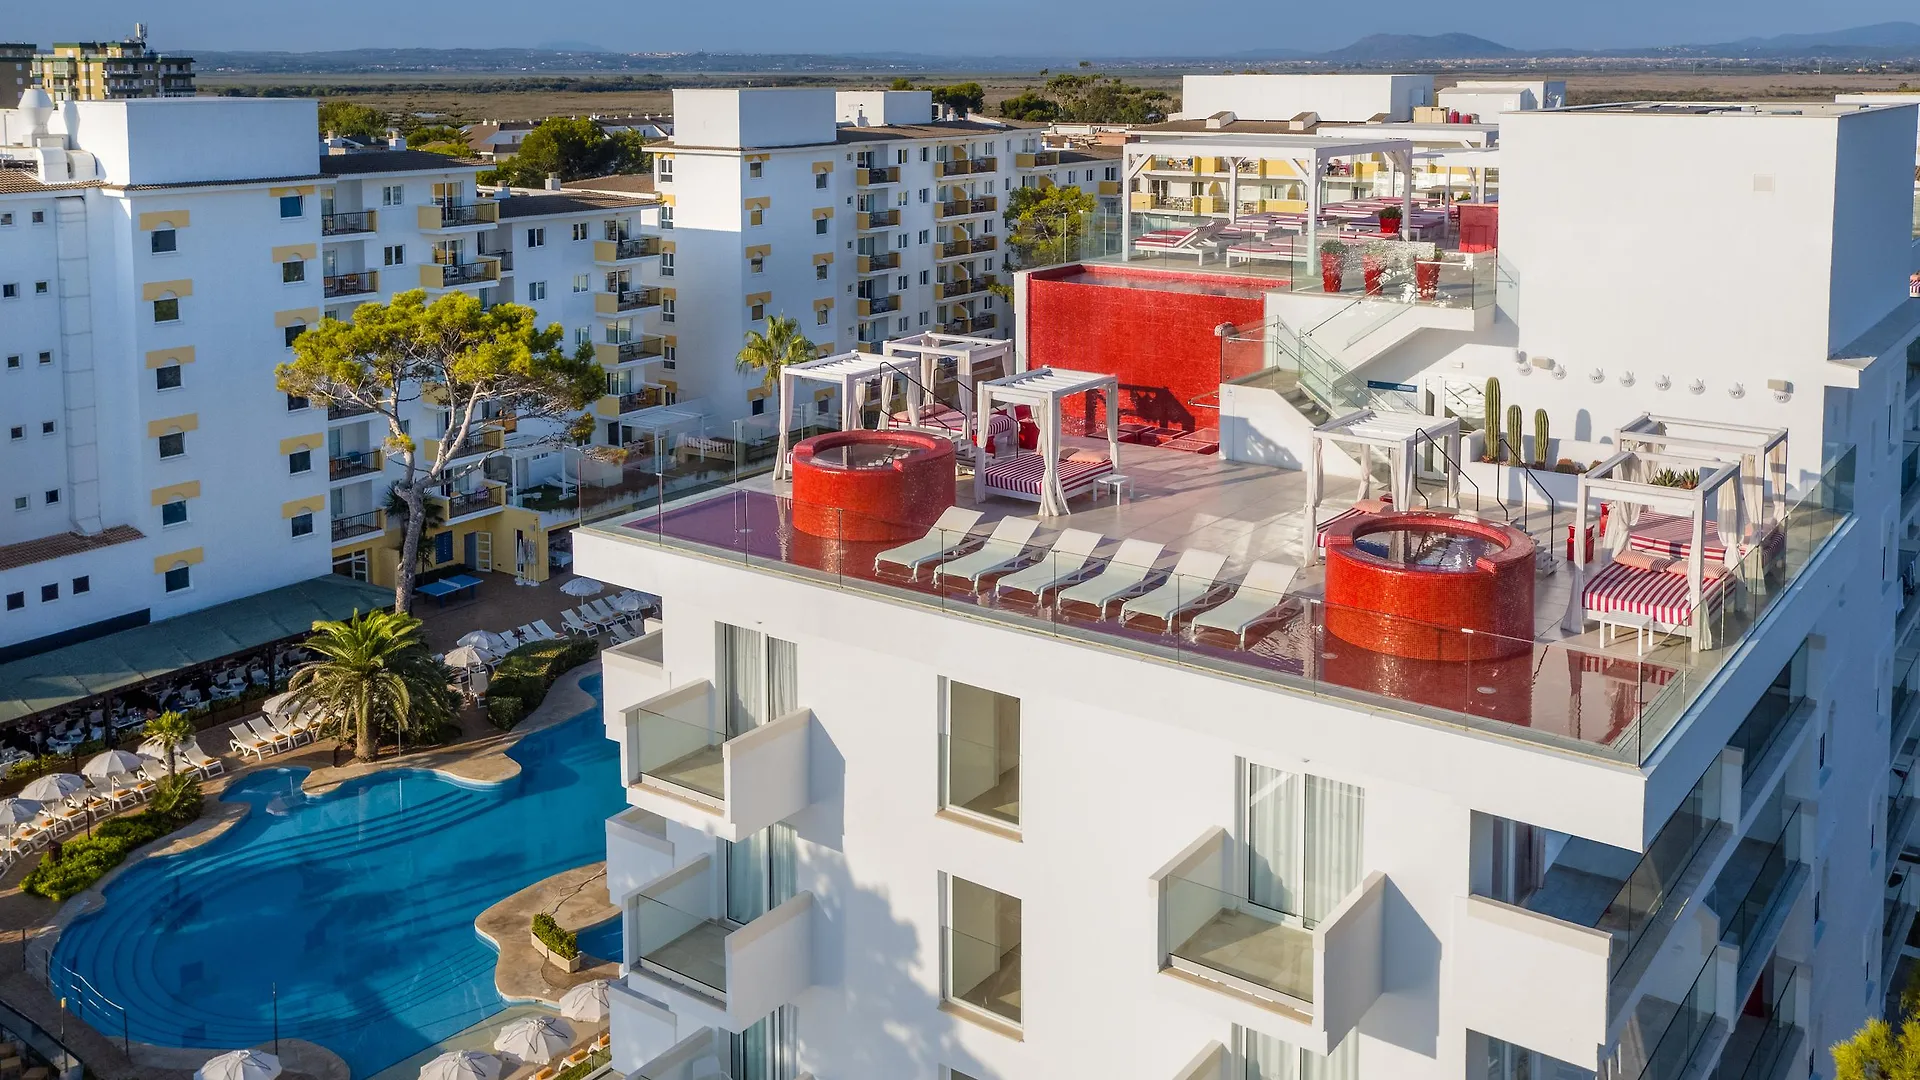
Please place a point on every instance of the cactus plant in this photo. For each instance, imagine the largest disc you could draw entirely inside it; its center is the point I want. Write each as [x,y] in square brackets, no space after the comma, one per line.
[1513,456]
[1540,441]
[1492,404]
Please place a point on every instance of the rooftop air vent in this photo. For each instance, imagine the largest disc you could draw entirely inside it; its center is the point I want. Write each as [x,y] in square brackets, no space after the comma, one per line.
[1220,119]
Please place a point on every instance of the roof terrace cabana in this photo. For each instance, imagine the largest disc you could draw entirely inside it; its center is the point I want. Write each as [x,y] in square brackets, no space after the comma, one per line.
[974,360]
[1400,435]
[1309,155]
[848,373]
[1043,477]
[1761,452]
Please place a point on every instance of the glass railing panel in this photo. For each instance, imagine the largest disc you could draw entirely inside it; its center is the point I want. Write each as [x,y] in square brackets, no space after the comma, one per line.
[978,780]
[1644,895]
[984,974]
[679,751]
[1692,1018]
[1759,1042]
[1744,902]
[1223,933]
[681,942]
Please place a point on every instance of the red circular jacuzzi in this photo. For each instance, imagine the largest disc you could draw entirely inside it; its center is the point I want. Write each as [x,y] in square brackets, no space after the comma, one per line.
[1407,584]
[871,485]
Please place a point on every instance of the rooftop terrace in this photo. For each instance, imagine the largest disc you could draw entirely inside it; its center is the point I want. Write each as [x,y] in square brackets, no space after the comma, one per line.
[1569,690]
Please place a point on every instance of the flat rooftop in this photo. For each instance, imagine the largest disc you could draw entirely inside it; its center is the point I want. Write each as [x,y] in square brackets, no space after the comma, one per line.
[1571,691]
[1713,108]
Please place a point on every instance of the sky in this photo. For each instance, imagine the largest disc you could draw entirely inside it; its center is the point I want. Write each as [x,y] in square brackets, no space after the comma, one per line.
[1012,27]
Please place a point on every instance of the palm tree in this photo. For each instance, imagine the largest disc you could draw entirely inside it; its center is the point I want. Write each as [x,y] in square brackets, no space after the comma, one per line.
[782,344]
[171,730]
[431,518]
[374,671]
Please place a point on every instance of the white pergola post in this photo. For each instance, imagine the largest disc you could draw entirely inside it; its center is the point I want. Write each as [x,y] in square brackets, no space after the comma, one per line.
[1233,188]
[1404,158]
[780,469]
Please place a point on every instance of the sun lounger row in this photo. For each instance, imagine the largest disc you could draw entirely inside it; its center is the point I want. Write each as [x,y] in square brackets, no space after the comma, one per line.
[598,617]
[261,736]
[1070,571]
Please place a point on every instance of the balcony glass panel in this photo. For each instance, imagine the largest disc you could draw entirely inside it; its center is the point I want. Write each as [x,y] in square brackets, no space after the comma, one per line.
[682,943]
[1240,939]
[1759,1040]
[680,750]
[1749,888]
[983,949]
[982,753]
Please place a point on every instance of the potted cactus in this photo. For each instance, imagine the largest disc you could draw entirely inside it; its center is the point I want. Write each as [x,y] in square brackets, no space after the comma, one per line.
[1389,221]
[1513,456]
[1540,438]
[1492,402]
[1333,259]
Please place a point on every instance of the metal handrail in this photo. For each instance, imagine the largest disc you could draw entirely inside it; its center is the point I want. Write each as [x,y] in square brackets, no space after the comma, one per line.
[1418,436]
[1553,505]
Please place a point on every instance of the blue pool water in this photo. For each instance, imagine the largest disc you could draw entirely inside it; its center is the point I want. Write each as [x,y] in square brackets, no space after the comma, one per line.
[356,906]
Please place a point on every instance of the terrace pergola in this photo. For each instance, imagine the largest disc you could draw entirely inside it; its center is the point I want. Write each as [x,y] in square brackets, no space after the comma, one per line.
[975,360]
[1044,390]
[847,373]
[1400,435]
[1475,159]
[1310,156]
[1761,452]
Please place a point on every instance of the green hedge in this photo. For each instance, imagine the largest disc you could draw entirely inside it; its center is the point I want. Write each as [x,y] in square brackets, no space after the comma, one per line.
[524,676]
[564,943]
[85,859]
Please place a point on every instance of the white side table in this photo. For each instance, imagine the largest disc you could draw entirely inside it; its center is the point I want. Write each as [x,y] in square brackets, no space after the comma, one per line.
[1113,484]
[1641,625]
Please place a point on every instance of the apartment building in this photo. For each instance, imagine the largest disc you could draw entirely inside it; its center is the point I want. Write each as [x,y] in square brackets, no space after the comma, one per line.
[16,68]
[153,469]
[919,805]
[112,70]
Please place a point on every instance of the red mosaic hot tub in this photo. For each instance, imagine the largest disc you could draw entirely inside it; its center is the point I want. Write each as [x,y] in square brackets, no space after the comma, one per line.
[871,485]
[1407,584]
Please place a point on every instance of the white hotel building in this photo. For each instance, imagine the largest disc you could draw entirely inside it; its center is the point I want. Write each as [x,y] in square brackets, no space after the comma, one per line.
[879,829]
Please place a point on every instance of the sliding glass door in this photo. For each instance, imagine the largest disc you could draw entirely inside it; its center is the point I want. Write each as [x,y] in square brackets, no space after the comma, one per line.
[1304,838]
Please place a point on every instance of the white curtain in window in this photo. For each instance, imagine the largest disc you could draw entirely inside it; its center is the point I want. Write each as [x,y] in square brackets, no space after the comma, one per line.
[1334,818]
[1273,832]
[746,877]
[783,678]
[1268,1058]
[743,667]
[781,856]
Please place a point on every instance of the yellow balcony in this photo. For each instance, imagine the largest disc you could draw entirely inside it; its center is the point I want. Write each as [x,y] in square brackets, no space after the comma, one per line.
[876,219]
[485,441]
[984,204]
[956,167]
[354,463]
[975,325]
[455,275]
[875,177]
[873,264]
[632,401]
[878,305]
[1109,187]
[954,249]
[1042,159]
[966,286]
[628,302]
[436,218]
[615,252]
[461,505]
[638,350]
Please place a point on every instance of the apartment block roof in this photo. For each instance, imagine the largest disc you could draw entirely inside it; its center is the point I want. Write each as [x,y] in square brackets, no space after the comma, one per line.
[565,202]
[847,134]
[24,182]
[61,545]
[618,183]
[393,161]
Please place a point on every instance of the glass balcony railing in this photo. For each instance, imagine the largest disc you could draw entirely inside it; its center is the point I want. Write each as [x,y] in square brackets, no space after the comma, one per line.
[688,945]
[1750,887]
[984,974]
[1760,1039]
[1663,1033]
[1220,933]
[680,746]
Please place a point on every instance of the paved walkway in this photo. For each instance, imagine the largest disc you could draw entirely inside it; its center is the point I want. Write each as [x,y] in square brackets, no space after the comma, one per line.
[31,925]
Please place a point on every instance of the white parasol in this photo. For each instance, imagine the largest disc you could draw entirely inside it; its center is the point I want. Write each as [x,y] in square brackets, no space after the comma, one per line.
[466,656]
[581,586]
[113,763]
[53,787]
[587,1002]
[534,1040]
[483,639]
[17,812]
[461,1065]
[240,1065]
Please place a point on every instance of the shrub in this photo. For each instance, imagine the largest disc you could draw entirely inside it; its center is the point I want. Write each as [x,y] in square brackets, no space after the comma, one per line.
[524,676]
[564,943]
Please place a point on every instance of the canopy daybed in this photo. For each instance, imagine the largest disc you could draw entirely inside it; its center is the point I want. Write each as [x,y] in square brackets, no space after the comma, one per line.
[1044,476]
[848,374]
[1400,435]
[972,361]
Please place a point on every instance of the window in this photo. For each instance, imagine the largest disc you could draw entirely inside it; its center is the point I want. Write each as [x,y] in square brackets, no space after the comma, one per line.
[1112,173]
[758,677]
[900,324]
[926,277]
[295,403]
[46,427]
[820,226]
[757,169]
[178,578]
[302,525]
[669,354]
[10,291]
[980,754]
[903,282]
[293,206]
[582,283]
[820,181]
[39,288]
[925,235]
[46,358]
[759,312]
[353,566]
[292,332]
[38,217]
[16,601]
[899,157]
[13,363]
[173,444]
[164,240]
[666,217]
[666,309]
[537,237]
[166,309]
[167,378]
[981,955]
[1303,840]
[393,194]
[1269,1058]
[6,219]
[299,461]
[756,216]
[394,254]
[173,513]
[923,318]
[902,241]
[820,271]
[293,272]
[757,265]
[923,153]
[666,264]
[536,290]
[758,407]
[821,315]
[663,170]
[17,432]
[49,593]
[82,584]
[925,194]
[51,497]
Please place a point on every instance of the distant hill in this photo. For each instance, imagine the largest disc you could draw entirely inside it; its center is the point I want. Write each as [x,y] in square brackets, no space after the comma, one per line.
[1887,35]
[1381,48]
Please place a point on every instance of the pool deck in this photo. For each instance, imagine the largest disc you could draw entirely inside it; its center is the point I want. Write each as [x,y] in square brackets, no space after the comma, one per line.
[576,899]
[29,923]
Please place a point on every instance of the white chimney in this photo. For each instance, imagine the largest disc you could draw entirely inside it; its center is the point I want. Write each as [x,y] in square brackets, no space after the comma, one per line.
[503,191]
[553,181]
[394,141]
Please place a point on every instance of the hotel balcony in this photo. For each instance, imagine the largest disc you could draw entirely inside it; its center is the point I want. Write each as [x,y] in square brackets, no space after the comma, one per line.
[876,219]
[638,851]
[954,249]
[358,525]
[1307,981]
[957,208]
[621,252]
[1041,159]
[873,264]
[1109,187]
[347,411]
[349,223]
[620,304]
[352,464]
[632,401]
[466,505]
[443,218]
[876,177]
[878,305]
[977,325]
[712,969]
[487,440]
[360,284]
[681,763]
[958,288]
[456,275]
[504,257]
[632,351]
[955,167]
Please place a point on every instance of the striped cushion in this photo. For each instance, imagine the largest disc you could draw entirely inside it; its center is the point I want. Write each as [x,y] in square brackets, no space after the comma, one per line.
[1166,238]
[950,419]
[1320,534]
[1023,473]
[1656,594]
[1672,536]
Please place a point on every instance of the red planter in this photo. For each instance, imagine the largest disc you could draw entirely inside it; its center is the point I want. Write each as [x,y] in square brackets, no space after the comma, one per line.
[1426,279]
[1332,270]
[1371,268]
[1389,224]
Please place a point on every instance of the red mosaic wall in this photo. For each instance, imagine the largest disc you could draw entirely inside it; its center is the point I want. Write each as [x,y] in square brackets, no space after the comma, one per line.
[1158,341]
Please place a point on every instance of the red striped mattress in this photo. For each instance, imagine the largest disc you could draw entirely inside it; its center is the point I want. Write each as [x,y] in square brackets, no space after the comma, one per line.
[1320,532]
[1656,594]
[1166,238]
[954,420]
[1671,536]
[1023,473]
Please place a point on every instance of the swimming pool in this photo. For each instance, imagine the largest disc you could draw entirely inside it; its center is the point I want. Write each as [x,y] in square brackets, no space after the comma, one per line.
[351,913]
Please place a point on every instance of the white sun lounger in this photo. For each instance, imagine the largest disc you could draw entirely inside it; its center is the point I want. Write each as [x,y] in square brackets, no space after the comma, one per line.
[199,759]
[1004,548]
[540,625]
[1191,583]
[280,739]
[1124,573]
[948,535]
[1071,555]
[1262,593]
[571,619]
[246,742]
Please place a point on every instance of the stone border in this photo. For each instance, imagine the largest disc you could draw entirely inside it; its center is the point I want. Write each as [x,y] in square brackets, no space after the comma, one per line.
[520,973]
